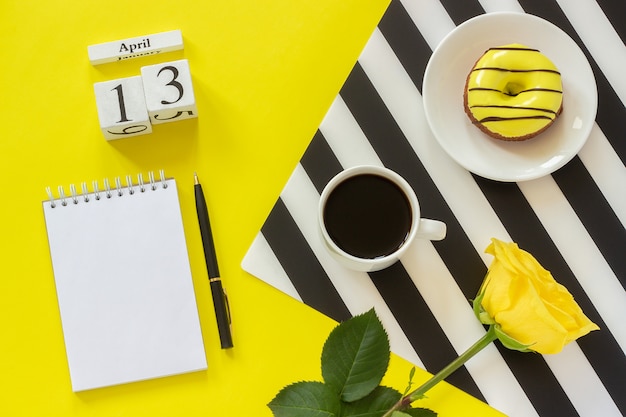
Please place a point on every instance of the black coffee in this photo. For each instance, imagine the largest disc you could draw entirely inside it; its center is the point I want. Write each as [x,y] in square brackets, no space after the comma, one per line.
[368,216]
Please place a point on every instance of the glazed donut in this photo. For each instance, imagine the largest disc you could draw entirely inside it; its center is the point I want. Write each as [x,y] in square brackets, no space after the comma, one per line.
[513,92]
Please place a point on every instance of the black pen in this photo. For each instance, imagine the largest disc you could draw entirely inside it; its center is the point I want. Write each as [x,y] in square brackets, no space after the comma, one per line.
[220,300]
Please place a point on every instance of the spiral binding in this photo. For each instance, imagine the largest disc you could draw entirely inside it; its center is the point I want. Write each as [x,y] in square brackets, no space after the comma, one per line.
[75,198]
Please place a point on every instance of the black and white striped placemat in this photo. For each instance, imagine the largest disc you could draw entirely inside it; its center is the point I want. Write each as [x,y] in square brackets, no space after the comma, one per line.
[572,221]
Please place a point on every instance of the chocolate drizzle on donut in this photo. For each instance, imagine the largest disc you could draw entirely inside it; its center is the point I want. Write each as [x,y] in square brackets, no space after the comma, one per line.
[497,106]
[549,90]
[512,48]
[516,70]
[506,119]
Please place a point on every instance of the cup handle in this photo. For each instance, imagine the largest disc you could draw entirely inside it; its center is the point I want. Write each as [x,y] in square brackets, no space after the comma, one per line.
[431,229]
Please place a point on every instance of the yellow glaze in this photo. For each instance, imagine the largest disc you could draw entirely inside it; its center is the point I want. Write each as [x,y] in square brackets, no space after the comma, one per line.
[514,91]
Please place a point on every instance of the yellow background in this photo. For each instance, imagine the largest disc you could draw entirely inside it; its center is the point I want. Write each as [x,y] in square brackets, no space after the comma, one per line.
[264,74]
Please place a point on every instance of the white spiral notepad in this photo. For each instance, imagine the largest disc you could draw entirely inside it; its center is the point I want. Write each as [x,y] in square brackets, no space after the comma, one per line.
[123,281]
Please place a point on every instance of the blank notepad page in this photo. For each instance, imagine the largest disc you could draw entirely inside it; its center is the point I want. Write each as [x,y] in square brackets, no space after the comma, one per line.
[124,286]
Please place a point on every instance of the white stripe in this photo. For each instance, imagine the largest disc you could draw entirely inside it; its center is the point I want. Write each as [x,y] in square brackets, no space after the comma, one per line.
[607,170]
[581,383]
[579,252]
[345,137]
[355,288]
[491,6]
[261,262]
[598,35]
[466,201]
[431,18]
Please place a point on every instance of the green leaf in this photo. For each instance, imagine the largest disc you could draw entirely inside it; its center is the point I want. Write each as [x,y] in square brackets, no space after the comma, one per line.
[375,404]
[400,414]
[410,384]
[420,412]
[479,311]
[355,356]
[509,342]
[476,304]
[306,399]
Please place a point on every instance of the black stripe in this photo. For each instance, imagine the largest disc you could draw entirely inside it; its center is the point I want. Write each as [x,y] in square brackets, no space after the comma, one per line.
[615,11]
[406,41]
[600,348]
[594,211]
[420,326]
[395,152]
[611,112]
[462,10]
[319,162]
[545,392]
[301,265]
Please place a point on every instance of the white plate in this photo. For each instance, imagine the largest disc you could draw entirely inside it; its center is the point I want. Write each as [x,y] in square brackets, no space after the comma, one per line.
[444,82]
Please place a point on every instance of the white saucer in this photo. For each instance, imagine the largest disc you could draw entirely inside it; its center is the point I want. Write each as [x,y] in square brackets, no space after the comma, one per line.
[444,82]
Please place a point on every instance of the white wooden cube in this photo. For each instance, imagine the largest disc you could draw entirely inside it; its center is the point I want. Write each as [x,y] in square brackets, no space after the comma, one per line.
[122,108]
[169,92]
[135,47]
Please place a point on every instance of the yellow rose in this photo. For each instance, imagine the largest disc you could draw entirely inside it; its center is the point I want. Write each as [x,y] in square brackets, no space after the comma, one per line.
[527,304]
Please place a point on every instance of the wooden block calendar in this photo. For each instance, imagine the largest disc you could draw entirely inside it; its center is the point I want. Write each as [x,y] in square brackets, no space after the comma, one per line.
[163,92]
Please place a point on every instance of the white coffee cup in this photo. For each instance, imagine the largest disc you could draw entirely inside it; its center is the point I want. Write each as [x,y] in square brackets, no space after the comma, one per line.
[369,216]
